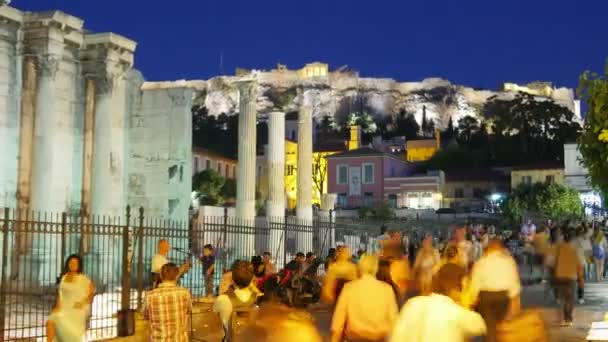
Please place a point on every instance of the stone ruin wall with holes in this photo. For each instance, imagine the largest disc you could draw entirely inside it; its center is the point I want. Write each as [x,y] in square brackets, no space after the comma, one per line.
[136,148]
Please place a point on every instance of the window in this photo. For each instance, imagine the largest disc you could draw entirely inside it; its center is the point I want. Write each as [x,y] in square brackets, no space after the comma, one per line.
[290,170]
[368,173]
[196,161]
[342,174]
[477,193]
[342,201]
[227,170]
[219,168]
[368,199]
[207,164]
[234,171]
[293,134]
[392,200]
[458,193]
[550,179]
[526,180]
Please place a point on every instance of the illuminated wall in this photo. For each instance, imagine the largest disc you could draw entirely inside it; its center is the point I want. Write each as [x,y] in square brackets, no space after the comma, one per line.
[534,176]
[416,154]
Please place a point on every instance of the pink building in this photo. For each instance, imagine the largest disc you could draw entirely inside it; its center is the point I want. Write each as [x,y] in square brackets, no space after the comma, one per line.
[365,176]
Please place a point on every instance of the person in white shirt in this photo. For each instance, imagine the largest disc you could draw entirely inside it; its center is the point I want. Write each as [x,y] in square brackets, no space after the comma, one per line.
[160,259]
[438,317]
[496,286]
[241,294]
[366,309]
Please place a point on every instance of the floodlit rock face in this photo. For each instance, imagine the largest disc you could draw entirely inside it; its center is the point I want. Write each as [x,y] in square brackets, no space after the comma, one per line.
[339,93]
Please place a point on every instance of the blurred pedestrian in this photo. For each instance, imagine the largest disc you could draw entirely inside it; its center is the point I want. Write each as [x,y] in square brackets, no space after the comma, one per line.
[208,261]
[495,286]
[366,309]
[568,269]
[339,273]
[599,252]
[438,317]
[426,260]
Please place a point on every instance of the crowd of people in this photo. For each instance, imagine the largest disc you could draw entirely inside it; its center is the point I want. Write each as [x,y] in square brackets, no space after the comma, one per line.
[412,287]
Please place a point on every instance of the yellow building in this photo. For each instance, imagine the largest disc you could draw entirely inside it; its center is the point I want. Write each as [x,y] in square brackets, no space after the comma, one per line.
[291,171]
[548,173]
[422,149]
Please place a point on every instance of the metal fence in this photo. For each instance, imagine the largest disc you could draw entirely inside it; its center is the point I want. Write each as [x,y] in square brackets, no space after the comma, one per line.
[117,254]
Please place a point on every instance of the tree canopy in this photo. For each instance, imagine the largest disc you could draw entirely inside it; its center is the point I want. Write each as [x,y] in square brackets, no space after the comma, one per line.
[209,184]
[593,142]
[548,200]
[529,128]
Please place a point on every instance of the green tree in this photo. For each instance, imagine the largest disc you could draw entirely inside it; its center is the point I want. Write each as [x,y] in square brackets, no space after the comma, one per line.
[458,157]
[549,200]
[406,125]
[593,142]
[209,184]
[383,211]
[468,126]
[228,190]
[532,128]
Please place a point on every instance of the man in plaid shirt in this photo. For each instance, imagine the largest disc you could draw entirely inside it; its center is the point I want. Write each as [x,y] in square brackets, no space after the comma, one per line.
[168,308]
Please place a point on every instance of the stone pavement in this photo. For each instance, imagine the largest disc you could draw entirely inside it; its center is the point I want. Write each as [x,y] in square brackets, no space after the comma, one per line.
[534,296]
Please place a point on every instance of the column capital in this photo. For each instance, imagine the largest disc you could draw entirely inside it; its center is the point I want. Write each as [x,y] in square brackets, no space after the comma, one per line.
[48,65]
[107,58]
[248,90]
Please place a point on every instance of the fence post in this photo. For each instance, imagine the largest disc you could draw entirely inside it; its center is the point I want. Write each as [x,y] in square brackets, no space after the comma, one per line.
[4,269]
[126,317]
[64,223]
[140,259]
[285,240]
[225,240]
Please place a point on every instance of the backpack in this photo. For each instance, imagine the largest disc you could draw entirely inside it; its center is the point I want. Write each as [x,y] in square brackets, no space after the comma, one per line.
[241,319]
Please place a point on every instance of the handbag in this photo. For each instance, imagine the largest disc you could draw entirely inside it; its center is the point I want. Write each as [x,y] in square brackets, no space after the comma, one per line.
[527,326]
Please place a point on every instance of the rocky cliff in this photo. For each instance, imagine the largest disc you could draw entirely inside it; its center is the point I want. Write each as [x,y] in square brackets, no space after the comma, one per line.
[340,93]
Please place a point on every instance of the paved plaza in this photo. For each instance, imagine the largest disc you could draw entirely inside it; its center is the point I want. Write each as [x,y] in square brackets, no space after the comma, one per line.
[534,296]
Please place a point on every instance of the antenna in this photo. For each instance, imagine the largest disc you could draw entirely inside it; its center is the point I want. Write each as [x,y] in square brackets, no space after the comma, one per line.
[221,62]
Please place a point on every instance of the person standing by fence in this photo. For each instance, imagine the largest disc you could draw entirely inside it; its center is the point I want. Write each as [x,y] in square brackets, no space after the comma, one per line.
[67,322]
[208,261]
[168,308]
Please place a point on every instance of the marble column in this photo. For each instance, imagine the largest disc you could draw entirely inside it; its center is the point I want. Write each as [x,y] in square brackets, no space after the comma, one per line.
[107,58]
[46,138]
[26,141]
[275,207]
[245,182]
[276,165]
[10,74]
[304,180]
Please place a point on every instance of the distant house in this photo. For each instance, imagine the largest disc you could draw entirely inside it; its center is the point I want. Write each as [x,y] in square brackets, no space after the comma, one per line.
[547,172]
[575,174]
[205,159]
[473,187]
[365,176]
[422,149]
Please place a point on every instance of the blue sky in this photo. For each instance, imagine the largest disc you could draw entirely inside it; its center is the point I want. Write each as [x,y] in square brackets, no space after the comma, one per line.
[471,42]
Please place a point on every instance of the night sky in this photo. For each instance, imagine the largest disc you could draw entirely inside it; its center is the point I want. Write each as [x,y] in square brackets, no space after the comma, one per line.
[476,43]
